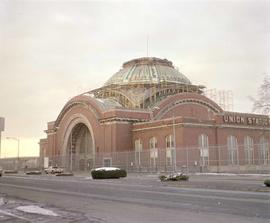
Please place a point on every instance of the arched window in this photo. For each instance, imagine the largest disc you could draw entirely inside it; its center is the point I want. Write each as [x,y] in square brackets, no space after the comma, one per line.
[169,150]
[232,150]
[169,141]
[263,150]
[153,142]
[153,151]
[138,150]
[204,149]
[249,150]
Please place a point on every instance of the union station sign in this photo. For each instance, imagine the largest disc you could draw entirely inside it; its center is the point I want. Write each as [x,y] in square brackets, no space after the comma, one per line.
[246,120]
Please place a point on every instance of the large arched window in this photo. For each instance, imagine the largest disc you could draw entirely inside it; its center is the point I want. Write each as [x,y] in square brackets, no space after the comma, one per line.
[169,150]
[153,151]
[232,150]
[249,150]
[263,150]
[204,149]
[138,150]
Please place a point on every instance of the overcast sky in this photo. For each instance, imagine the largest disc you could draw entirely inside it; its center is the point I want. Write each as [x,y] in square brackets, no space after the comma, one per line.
[52,50]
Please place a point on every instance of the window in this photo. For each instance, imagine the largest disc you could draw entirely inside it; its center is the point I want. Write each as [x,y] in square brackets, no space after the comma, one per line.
[153,147]
[232,150]
[249,150]
[169,150]
[169,141]
[204,149]
[153,151]
[153,143]
[263,150]
[138,150]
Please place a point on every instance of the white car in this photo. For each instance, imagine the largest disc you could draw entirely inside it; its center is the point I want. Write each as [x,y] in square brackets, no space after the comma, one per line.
[53,170]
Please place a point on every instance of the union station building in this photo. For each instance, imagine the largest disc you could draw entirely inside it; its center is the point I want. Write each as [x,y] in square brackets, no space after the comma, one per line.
[149,117]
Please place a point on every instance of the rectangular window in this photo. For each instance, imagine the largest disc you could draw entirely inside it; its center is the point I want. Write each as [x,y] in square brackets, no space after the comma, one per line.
[154,153]
[168,152]
[232,157]
[232,150]
[249,150]
[263,150]
[204,149]
[138,150]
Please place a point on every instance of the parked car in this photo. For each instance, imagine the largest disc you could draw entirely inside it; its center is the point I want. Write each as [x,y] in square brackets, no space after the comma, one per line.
[53,170]
[1,171]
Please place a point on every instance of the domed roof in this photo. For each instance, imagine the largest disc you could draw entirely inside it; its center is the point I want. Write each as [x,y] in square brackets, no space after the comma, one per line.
[147,70]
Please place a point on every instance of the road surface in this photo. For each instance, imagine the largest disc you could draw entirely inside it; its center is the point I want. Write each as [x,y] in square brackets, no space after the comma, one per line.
[138,199]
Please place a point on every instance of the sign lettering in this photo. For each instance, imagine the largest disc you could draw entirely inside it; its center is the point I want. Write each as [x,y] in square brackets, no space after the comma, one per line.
[238,119]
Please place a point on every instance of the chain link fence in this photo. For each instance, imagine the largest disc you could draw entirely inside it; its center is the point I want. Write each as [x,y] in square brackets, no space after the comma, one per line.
[187,159]
[21,163]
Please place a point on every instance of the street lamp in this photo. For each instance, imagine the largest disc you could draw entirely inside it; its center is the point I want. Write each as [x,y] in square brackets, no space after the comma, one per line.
[18,149]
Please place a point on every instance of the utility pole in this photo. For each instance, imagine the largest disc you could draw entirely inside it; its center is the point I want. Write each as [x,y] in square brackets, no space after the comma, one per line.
[71,152]
[2,128]
[174,142]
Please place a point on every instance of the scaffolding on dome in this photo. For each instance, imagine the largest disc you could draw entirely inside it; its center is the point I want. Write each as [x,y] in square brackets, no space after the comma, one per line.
[143,95]
[222,97]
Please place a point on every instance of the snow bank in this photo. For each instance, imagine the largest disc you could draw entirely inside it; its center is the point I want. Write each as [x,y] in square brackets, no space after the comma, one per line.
[36,210]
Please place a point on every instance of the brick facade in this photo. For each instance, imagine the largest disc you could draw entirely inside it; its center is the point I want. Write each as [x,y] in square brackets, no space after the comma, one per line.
[184,115]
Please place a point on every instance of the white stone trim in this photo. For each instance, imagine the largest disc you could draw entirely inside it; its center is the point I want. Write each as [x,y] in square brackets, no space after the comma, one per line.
[201,125]
[177,124]
[116,122]
[244,127]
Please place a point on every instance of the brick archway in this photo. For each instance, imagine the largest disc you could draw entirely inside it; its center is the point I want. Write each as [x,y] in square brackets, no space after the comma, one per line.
[78,136]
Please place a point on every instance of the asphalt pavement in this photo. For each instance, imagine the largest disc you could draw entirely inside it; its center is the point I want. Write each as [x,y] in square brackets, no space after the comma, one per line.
[143,198]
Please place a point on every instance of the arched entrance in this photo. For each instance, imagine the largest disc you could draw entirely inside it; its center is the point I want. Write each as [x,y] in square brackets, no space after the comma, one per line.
[80,148]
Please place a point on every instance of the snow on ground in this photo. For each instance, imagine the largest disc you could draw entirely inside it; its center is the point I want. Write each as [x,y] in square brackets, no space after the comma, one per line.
[107,168]
[12,215]
[36,210]
[2,202]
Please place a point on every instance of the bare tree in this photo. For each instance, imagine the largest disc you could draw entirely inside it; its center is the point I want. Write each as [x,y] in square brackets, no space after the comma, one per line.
[262,103]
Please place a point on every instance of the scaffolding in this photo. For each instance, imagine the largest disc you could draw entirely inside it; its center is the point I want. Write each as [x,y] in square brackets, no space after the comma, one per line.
[224,98]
